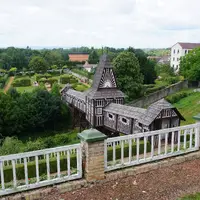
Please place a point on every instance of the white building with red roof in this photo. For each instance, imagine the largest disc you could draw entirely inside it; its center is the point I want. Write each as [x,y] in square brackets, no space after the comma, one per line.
[178,50]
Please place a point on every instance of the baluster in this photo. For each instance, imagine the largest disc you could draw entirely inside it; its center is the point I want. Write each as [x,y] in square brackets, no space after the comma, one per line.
[105,154]
[114,153]
[68,163]
[191,133]
[152,146]
[159,144]
[130,150]
[185,137]
[14,174]
[138,149]
[122,152]
[2,175]
[145,147]
[58,164]
[26,171]
[48,167]
[166,142]
[197,137]
[172,142]
[179,140]
[37,169]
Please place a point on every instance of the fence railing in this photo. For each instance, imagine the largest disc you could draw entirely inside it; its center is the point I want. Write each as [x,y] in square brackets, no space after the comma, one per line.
[145,147]
[40,168]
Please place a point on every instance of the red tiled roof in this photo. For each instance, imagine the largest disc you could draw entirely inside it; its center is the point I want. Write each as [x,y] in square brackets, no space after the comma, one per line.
[189,45]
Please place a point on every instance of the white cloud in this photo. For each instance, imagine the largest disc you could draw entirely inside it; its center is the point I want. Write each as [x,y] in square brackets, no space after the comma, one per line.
[117,23]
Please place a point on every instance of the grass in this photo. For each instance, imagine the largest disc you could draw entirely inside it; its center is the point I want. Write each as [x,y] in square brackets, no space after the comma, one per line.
[25,89]
[192,197]
[189,107]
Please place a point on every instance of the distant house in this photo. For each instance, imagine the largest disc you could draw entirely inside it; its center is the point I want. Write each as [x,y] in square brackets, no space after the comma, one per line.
[88,66]
[164,60]
[78,57]
[178,50]
[154,58]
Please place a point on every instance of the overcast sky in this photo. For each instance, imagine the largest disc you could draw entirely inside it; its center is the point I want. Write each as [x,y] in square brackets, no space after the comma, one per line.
[116,23]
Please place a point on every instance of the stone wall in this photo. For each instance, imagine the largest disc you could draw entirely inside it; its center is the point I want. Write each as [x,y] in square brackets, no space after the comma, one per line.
[151,98]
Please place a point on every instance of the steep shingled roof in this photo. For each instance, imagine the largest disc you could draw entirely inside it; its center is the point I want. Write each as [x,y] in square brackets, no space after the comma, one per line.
[127,111]
[95,91]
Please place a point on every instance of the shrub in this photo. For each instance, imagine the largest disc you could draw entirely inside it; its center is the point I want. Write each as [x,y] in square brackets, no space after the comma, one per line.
[42,80]
[22,82]
[8,175]
[126,150]
[39,76]
[80,88]
[3,81]
[178,96]
[154,89]
[46,75]
[64,79]
[52,80]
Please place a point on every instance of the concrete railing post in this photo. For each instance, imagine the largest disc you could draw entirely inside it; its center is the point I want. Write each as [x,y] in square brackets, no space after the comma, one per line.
[92,142]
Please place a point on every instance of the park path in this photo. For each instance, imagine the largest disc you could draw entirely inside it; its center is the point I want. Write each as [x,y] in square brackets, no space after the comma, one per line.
[9,84]
[168,183]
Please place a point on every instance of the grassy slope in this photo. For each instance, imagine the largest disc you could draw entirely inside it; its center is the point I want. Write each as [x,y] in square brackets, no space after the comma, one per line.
[189,107]
[192,197]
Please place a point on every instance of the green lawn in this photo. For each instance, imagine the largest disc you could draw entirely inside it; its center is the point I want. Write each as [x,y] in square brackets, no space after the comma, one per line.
[192,197]
[25,89]
[189,107]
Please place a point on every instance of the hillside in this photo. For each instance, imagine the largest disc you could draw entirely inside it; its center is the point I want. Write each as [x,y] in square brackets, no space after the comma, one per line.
[189,107]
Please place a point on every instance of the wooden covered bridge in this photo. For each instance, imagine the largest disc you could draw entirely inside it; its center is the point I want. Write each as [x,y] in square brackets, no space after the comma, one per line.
[102,107]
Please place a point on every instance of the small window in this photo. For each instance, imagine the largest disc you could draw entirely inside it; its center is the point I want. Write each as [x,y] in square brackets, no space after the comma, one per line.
[185,51]
[177,59]
[173,59]
[124,120]
[110,116]
[174,51]
[178,51]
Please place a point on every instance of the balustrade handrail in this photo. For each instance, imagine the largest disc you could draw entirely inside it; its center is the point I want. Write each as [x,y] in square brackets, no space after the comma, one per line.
[151,133]
[38,152]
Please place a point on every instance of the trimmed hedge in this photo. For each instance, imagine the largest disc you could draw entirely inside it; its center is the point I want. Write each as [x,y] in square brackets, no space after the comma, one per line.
[8,174]
[126,150]
[64,79]
[22,82]
[3,81]
[81,88]
[52,80]
[178,96]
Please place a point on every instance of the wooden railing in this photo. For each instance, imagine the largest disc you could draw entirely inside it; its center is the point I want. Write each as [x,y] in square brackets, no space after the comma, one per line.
[40,168]
[145,147]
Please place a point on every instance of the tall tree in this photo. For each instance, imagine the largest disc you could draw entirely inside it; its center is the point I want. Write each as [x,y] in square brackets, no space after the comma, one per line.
[38,64]
[129,77]
[147,67]
[190,65]
[93,57]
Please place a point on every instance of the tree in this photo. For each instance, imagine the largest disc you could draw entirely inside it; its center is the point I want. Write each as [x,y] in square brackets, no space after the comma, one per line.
[129,77]
[93,57]
[190,65]
[38,64]
[147,67]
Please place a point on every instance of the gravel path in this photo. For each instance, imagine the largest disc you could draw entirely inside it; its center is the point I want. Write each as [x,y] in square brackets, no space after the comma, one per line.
[167,183]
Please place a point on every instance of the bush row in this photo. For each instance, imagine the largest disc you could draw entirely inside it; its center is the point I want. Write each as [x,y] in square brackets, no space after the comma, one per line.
[20,175]
[154,89]
[174,98]
[22,82]
[8,176]
[64,79]
[49,80]
[3,81]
